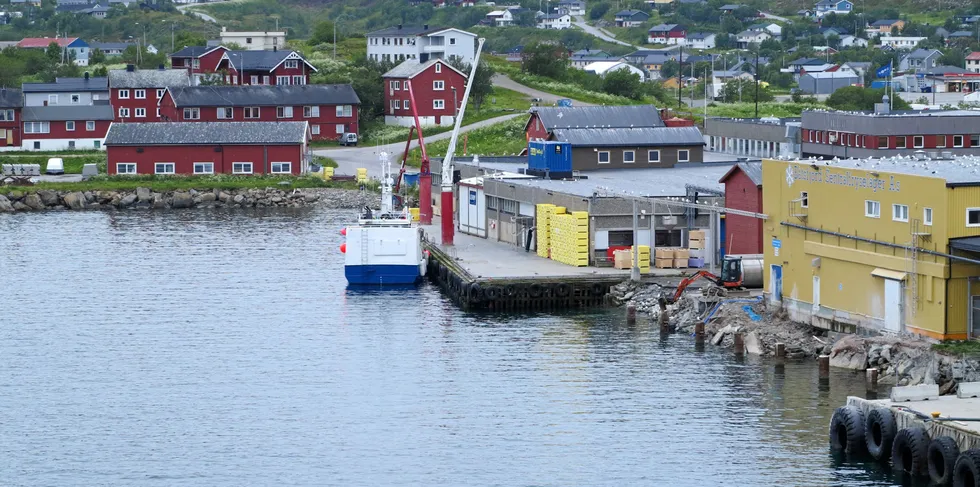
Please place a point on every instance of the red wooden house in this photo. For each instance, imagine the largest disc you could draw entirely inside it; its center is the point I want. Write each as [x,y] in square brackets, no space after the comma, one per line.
[743,191]
[438,89]
[11,104]
[331,110]
[208,148]
[65,127]
[135,93]
[243,67]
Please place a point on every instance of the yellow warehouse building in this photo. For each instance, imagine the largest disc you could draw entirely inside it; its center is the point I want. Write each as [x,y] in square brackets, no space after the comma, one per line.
[887,244]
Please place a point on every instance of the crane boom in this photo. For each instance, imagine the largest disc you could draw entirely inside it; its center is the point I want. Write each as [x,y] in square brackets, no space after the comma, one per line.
[446,200]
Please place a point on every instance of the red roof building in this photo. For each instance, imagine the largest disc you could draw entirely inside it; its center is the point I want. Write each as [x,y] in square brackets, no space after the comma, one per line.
[135,93]
[243,67]
[331,110]
[11,105]
[973,62]
[244,148]
[438,89]
[65,127]
[743,191]
[44,42]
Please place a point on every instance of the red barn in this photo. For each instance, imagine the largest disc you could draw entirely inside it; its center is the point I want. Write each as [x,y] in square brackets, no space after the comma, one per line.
[743,191]
[135,93]
[208,148]
[331,110]
[438,89]
[243,67]
[65,127]
[11,104]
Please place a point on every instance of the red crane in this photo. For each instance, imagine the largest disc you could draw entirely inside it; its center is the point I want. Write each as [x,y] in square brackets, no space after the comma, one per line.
[425,175]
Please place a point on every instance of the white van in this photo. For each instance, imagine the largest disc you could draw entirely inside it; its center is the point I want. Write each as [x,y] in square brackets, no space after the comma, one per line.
[55,166]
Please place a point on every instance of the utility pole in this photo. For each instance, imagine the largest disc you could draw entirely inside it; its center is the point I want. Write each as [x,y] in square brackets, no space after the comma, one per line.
[756,84]
[635,269]
[680,74]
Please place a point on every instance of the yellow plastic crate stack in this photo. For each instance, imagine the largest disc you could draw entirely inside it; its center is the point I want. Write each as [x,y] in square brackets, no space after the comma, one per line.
[362,176]
[644,258]
[570,238]
[543,213]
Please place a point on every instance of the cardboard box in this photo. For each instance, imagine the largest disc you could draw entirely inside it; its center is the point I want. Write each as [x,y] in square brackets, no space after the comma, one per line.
[664,253]
[695,235]
[696,244]
[680,263]
[681,254]
[663,263]
[622,260]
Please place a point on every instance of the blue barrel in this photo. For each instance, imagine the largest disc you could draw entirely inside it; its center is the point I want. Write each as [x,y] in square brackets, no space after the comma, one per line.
[411,179]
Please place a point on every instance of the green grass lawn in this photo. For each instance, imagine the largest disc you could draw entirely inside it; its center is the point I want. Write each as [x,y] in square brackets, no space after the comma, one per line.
[163,184]
[958,347]
[747,110]
[501,139]
[73,160]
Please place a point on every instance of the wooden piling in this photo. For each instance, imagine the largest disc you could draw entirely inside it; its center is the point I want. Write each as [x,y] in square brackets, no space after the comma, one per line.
[780,350]
[739,344]
[631,314]
[872,376]
[699,332]
[824,361]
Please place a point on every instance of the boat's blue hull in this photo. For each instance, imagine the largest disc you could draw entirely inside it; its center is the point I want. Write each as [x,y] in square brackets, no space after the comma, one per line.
[382,274]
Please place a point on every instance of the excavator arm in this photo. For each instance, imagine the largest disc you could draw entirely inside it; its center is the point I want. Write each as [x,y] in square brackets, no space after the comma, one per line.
[664,300]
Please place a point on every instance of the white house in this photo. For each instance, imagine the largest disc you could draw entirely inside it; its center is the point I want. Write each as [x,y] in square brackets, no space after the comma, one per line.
[700,40]
[554,21]
[500,18]
[901,42]
[604,67]
[399,43]
[254,41]
[839,7]
[747,37]
[851,41]
[572,7]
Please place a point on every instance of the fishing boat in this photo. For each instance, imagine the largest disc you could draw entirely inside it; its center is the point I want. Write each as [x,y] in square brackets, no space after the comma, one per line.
[385,246]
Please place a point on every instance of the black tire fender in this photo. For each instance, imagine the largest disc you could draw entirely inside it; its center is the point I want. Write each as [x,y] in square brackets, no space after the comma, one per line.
[910,451]
[562,290]
[492,292]
[966,473]
[879,433]
[535,291]
[598,290]
[847,430]
[475,292]
[941,458]
[512,290]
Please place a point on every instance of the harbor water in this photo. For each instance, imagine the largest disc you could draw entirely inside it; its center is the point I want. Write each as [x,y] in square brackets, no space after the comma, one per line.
[223,348]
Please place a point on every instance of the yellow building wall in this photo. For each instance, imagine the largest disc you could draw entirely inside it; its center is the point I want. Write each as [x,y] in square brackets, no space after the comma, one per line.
[959,200]
[848,292]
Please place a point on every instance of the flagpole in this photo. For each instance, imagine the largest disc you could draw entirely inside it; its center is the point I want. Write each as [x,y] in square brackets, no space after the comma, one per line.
[891,84]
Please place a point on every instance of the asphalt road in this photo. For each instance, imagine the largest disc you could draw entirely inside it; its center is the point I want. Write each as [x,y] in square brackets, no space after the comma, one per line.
[201,15]
[503,81]
[580,23]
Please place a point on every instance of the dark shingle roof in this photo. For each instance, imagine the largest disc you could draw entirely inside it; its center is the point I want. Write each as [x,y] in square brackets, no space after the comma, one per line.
[281,95]
[638,137]
[146,78]
[599,116]
[405,30]
[261,59]
[110,45]
[11,98]
[68,84]
[630,13]
[57,113]
[194,51]
[206,133]
[884,22]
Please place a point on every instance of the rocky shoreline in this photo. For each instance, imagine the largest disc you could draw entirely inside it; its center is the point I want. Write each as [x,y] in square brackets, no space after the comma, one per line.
[29,200]
[900,360]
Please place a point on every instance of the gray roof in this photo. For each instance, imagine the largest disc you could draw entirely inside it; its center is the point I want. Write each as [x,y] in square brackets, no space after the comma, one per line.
[262,95]
[590,53]
[884,22]
[663,28]
[962,33]
[57,113]
[942,70]
[923,54]
[751,169]
[412,67]
[959,170]
[405,30]
[632,137]
[700,35]
[630,13]
[148,78]
[206,133]
[194,51]
[266,60]
[11,98]
[599,116]
[110,45]
[68,84]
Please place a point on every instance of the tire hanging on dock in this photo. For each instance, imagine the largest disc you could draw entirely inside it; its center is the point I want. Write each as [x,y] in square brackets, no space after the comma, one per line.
[475,292]
[562,290]
[966,473]
[847,430]
[941,458]
[535,291]
[879,433]
[910,452]
[512,290]
[492,293]
[598,290]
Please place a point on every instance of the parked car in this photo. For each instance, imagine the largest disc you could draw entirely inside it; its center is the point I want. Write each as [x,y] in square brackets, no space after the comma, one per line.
[55,166]
[348,138]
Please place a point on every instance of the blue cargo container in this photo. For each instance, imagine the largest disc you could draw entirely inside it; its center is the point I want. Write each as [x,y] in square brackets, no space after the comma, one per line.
[565,102]
[549,156]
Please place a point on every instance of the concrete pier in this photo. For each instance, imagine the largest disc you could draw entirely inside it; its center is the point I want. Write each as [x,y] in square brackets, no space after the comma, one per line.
[966,433]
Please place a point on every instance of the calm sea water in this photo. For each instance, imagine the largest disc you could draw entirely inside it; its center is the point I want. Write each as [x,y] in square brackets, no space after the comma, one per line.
[223,348]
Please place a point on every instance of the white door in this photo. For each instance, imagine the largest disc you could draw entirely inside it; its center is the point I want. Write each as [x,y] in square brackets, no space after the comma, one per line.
[775,283]
[893,305]
[816,293]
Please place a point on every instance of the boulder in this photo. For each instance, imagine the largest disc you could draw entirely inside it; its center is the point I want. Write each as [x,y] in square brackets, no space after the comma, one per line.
[239,199]
[752,343]
[182,200]
[34,201]
[849,353]
[310,197]
[223,197]
[49,198]
[159,201]
[206,197]
[89,197]
[15,195]
[144,195]
[127,201]
[718,338]
[19,206]
[75,201]
[5,206]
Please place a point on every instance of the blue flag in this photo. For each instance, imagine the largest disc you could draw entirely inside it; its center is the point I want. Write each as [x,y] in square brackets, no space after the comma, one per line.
[884,71]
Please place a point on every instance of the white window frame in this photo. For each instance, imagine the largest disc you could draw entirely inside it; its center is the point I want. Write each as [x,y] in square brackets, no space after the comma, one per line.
[291,64]
[299,80]
[887,142]
[225,113]
[37,128]
[940,141]
[687,155]
[194,111]
[438,104]
[123,112]
[918,141]
[315,129]
[234,170]
[90,126]
[311,111]
[52,99]
[804,199]
[874,205]
[900,212]
[632,154]
[901,142]
[70,125]
[288,168]
[406,104]
[126,165]
[265,79]
[438,85]
[284,112]
[204,165]
[160,92]
[282,80]
[954,141]
[438,67]
[257,112]
[253,79]
[653,159]
[123,94]
[196,64]
[75,99]
[158,112]
[343,111]
[139,94]
[599,157]
[340,128]
[968,224]
[927,217]
[166,165]
[140,113]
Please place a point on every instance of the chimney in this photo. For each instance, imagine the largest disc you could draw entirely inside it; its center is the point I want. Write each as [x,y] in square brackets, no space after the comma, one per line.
[130,68]
[399,26]
[275,48]
[425,27]
[884,107]
[86,76]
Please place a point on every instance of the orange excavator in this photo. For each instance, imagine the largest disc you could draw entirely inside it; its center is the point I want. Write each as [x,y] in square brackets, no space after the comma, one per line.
[731,278]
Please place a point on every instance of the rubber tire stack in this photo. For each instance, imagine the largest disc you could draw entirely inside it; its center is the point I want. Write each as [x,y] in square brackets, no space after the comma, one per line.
[879,433]
[942,455]
[967,468]
[847,430]
[910,452]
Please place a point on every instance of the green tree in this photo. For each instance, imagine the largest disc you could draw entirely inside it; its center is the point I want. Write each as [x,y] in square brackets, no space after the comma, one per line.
[525,19]
[622,82]
[856,98]
[323,33]
[598,10]
[100,72]
[53,52]
[741,89]
[669,69]
[482,80]
[545,59]
[953,57]
[96,57]
[186,39]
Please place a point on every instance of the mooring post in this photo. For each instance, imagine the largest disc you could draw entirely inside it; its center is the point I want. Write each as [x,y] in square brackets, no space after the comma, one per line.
[872,375]
[824,361]
[699,332]
[739,344]
[631,313]
[780,350]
